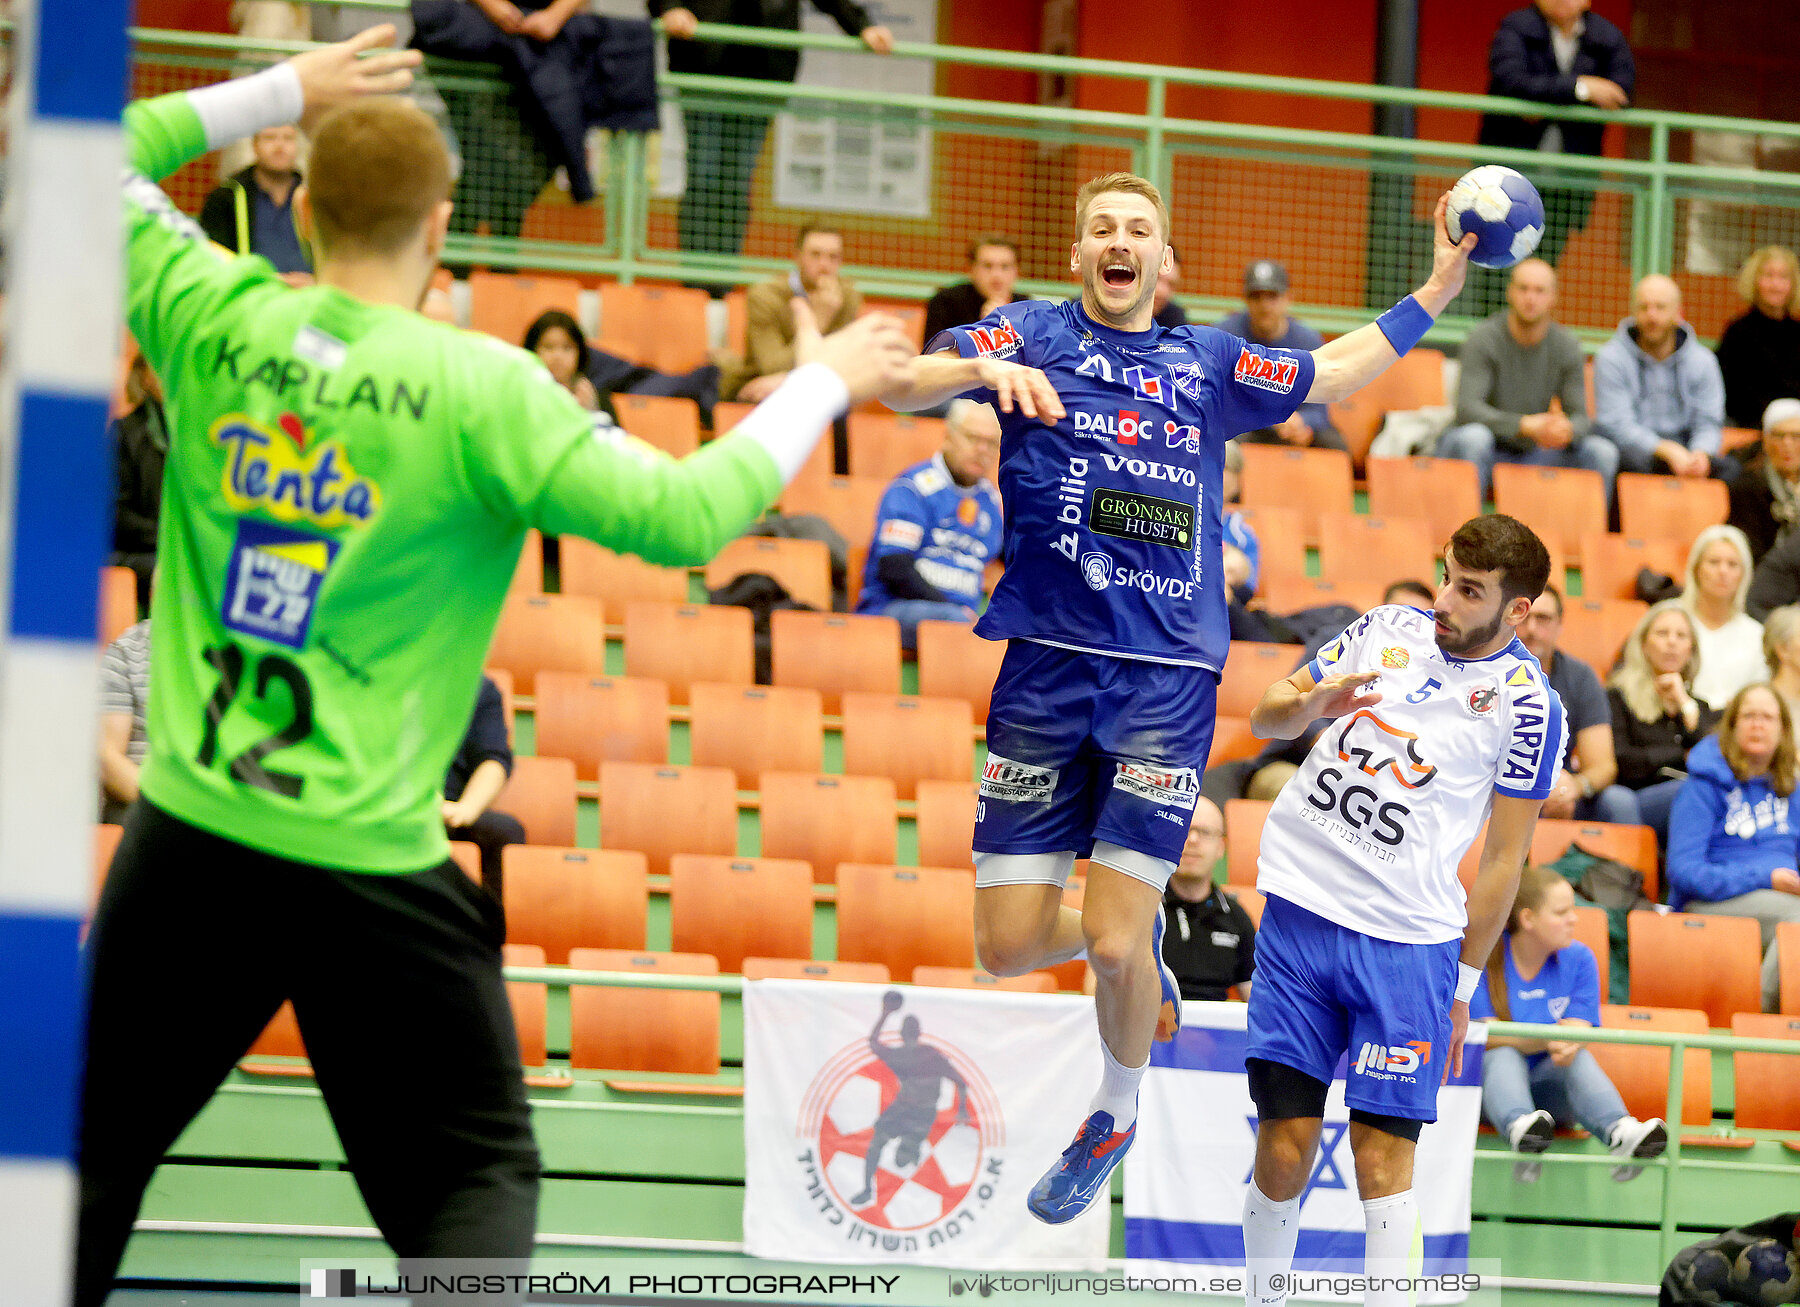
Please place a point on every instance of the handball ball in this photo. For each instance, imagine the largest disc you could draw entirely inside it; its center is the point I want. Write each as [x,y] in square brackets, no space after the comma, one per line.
[1766,1274]
[1502,208]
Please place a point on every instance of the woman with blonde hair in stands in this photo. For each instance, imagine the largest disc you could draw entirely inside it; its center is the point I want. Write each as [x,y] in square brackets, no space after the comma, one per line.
[1728,638]
[1656,715]
[1734,849]
[1759,353]
[1781,651]
[1541,974]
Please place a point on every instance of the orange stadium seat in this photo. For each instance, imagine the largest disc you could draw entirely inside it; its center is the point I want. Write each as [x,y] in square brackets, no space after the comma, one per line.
[669,422]
[909,738]
[1641,1073]
[665,325]
[737,320]
[945,823]
[1251,901]
[1032,982]
[1677,507]
[834,652]
[848,503]
[468,857]
[564,898]
[1635,846]
[528,576]
[530,1003]
[590,719]
[505,304]
[905,917]
[1353,547]
[556,633]
[663,811]
[1280,539]
[883,445]
[1595,630]
[1445,491]
[118,603]
[1289,594]
[727,413]
[735,908]
[910,312]
[683,643]
[955,663]
[826,820]
[1416,381]
[803,567]
[1684,959]
[1072,975]
[859,973]
[1766,1085]
[618,1029]
[1250,669]
[1244,820]
[1591,928]
[541,794]
[1560,504]
[1316,481]
[1232,741]
[755,728]
[1787,958]
[618,579]
[106,843]
[1610,563]
[280,1038]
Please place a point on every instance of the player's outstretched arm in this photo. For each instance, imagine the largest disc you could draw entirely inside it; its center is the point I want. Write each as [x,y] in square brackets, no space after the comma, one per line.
[1509,832]
[934,379]
[1293,703]
[1344,366]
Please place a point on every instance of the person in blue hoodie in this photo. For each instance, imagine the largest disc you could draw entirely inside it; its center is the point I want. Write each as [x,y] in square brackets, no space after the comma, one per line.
[1658,392]
[1733,848]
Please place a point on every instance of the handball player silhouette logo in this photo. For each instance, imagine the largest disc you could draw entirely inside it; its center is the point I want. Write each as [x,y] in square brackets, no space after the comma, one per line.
[903,1128]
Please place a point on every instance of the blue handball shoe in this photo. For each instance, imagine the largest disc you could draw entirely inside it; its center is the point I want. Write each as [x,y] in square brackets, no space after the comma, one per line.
[1071,1185]
[1168,1016]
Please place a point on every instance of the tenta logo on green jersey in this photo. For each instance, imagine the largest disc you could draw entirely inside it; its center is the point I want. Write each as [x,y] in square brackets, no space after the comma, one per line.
[273,471]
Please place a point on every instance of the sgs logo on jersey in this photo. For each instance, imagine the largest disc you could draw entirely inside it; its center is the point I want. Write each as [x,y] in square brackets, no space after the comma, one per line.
[1376,750]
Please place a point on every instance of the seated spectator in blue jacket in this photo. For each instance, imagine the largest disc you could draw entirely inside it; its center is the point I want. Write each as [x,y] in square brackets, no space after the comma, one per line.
[1265,320]
[1658,393]
[478,773]
[1540,974]
[1733,848]
[937,529]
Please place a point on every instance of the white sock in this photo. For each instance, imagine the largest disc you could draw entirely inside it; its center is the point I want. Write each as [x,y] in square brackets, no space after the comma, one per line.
[1271,1230]
[1395,1249]
[1118,1089]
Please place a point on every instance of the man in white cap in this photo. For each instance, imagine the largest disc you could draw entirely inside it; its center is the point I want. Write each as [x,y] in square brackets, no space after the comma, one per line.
[1265,320]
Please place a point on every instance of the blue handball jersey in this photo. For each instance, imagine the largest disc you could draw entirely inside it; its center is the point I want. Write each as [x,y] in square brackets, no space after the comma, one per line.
[1114,514]
[951,532]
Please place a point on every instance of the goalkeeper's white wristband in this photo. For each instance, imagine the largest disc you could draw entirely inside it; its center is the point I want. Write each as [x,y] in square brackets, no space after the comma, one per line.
[230,111]
[1467,979]
[789,422]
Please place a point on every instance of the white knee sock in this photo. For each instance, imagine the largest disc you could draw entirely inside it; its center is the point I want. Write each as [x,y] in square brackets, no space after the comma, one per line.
[1271,1230]
[1118,1089]
[1395,1249]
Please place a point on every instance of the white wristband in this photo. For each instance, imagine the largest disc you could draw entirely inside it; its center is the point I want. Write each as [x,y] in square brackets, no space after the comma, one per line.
[789,422]
[230,111]
[1467,978]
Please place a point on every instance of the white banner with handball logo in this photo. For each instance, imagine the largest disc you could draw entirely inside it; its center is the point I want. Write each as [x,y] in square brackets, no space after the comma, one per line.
[904,1125]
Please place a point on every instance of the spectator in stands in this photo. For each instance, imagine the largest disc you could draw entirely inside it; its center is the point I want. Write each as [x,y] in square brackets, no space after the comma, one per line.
[993,270]
[1265,320]
[937,529]
[253,212]
[556,339]
[1521,396]
[1656,715]
[478,773]
[1781,654]
[1584,789]
[1243,551]
[124,701]
[1765,496]
[1759,352]
[1732,845]
[769,336]
[1658,395]
[1555,52]
[1541,974]
[722,147]
[1210,941]
[140,448]
[1730,640]
[1168,312]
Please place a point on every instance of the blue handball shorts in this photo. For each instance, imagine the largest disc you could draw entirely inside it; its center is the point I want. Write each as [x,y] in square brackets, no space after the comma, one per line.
[1084,746]
[1325,992]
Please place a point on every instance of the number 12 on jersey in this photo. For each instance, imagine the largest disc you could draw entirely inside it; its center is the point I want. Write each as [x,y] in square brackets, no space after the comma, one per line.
[230,662]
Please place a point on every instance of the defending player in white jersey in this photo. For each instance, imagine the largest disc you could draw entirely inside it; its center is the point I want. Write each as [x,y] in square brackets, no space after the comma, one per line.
[1440,720]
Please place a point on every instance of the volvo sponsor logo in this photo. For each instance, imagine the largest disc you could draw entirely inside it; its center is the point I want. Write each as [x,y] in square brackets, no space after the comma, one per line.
[1149,469]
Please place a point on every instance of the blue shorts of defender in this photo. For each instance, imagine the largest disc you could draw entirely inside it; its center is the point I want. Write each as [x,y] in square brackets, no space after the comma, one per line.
[1085,746]
[1325,992]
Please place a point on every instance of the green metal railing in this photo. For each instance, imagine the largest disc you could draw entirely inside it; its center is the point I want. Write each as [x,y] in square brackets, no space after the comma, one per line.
[1344,208]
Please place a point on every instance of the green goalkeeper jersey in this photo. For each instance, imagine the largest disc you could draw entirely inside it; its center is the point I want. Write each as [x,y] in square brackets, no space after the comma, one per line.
[347,491]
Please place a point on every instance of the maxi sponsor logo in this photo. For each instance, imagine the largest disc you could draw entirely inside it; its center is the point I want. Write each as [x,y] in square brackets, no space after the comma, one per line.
[1267,371]
[1131,516]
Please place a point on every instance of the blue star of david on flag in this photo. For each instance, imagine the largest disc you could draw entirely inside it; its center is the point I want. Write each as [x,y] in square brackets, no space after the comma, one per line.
[1325,1173]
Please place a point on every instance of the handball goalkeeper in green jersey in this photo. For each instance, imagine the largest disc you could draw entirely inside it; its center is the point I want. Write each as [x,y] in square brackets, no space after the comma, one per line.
[347,491]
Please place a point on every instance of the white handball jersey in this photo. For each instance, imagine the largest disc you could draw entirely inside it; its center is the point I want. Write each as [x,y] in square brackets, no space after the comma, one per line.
[1369,832]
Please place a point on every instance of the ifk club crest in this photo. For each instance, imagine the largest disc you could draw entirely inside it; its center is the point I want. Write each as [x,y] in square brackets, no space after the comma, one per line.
[900,1135]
